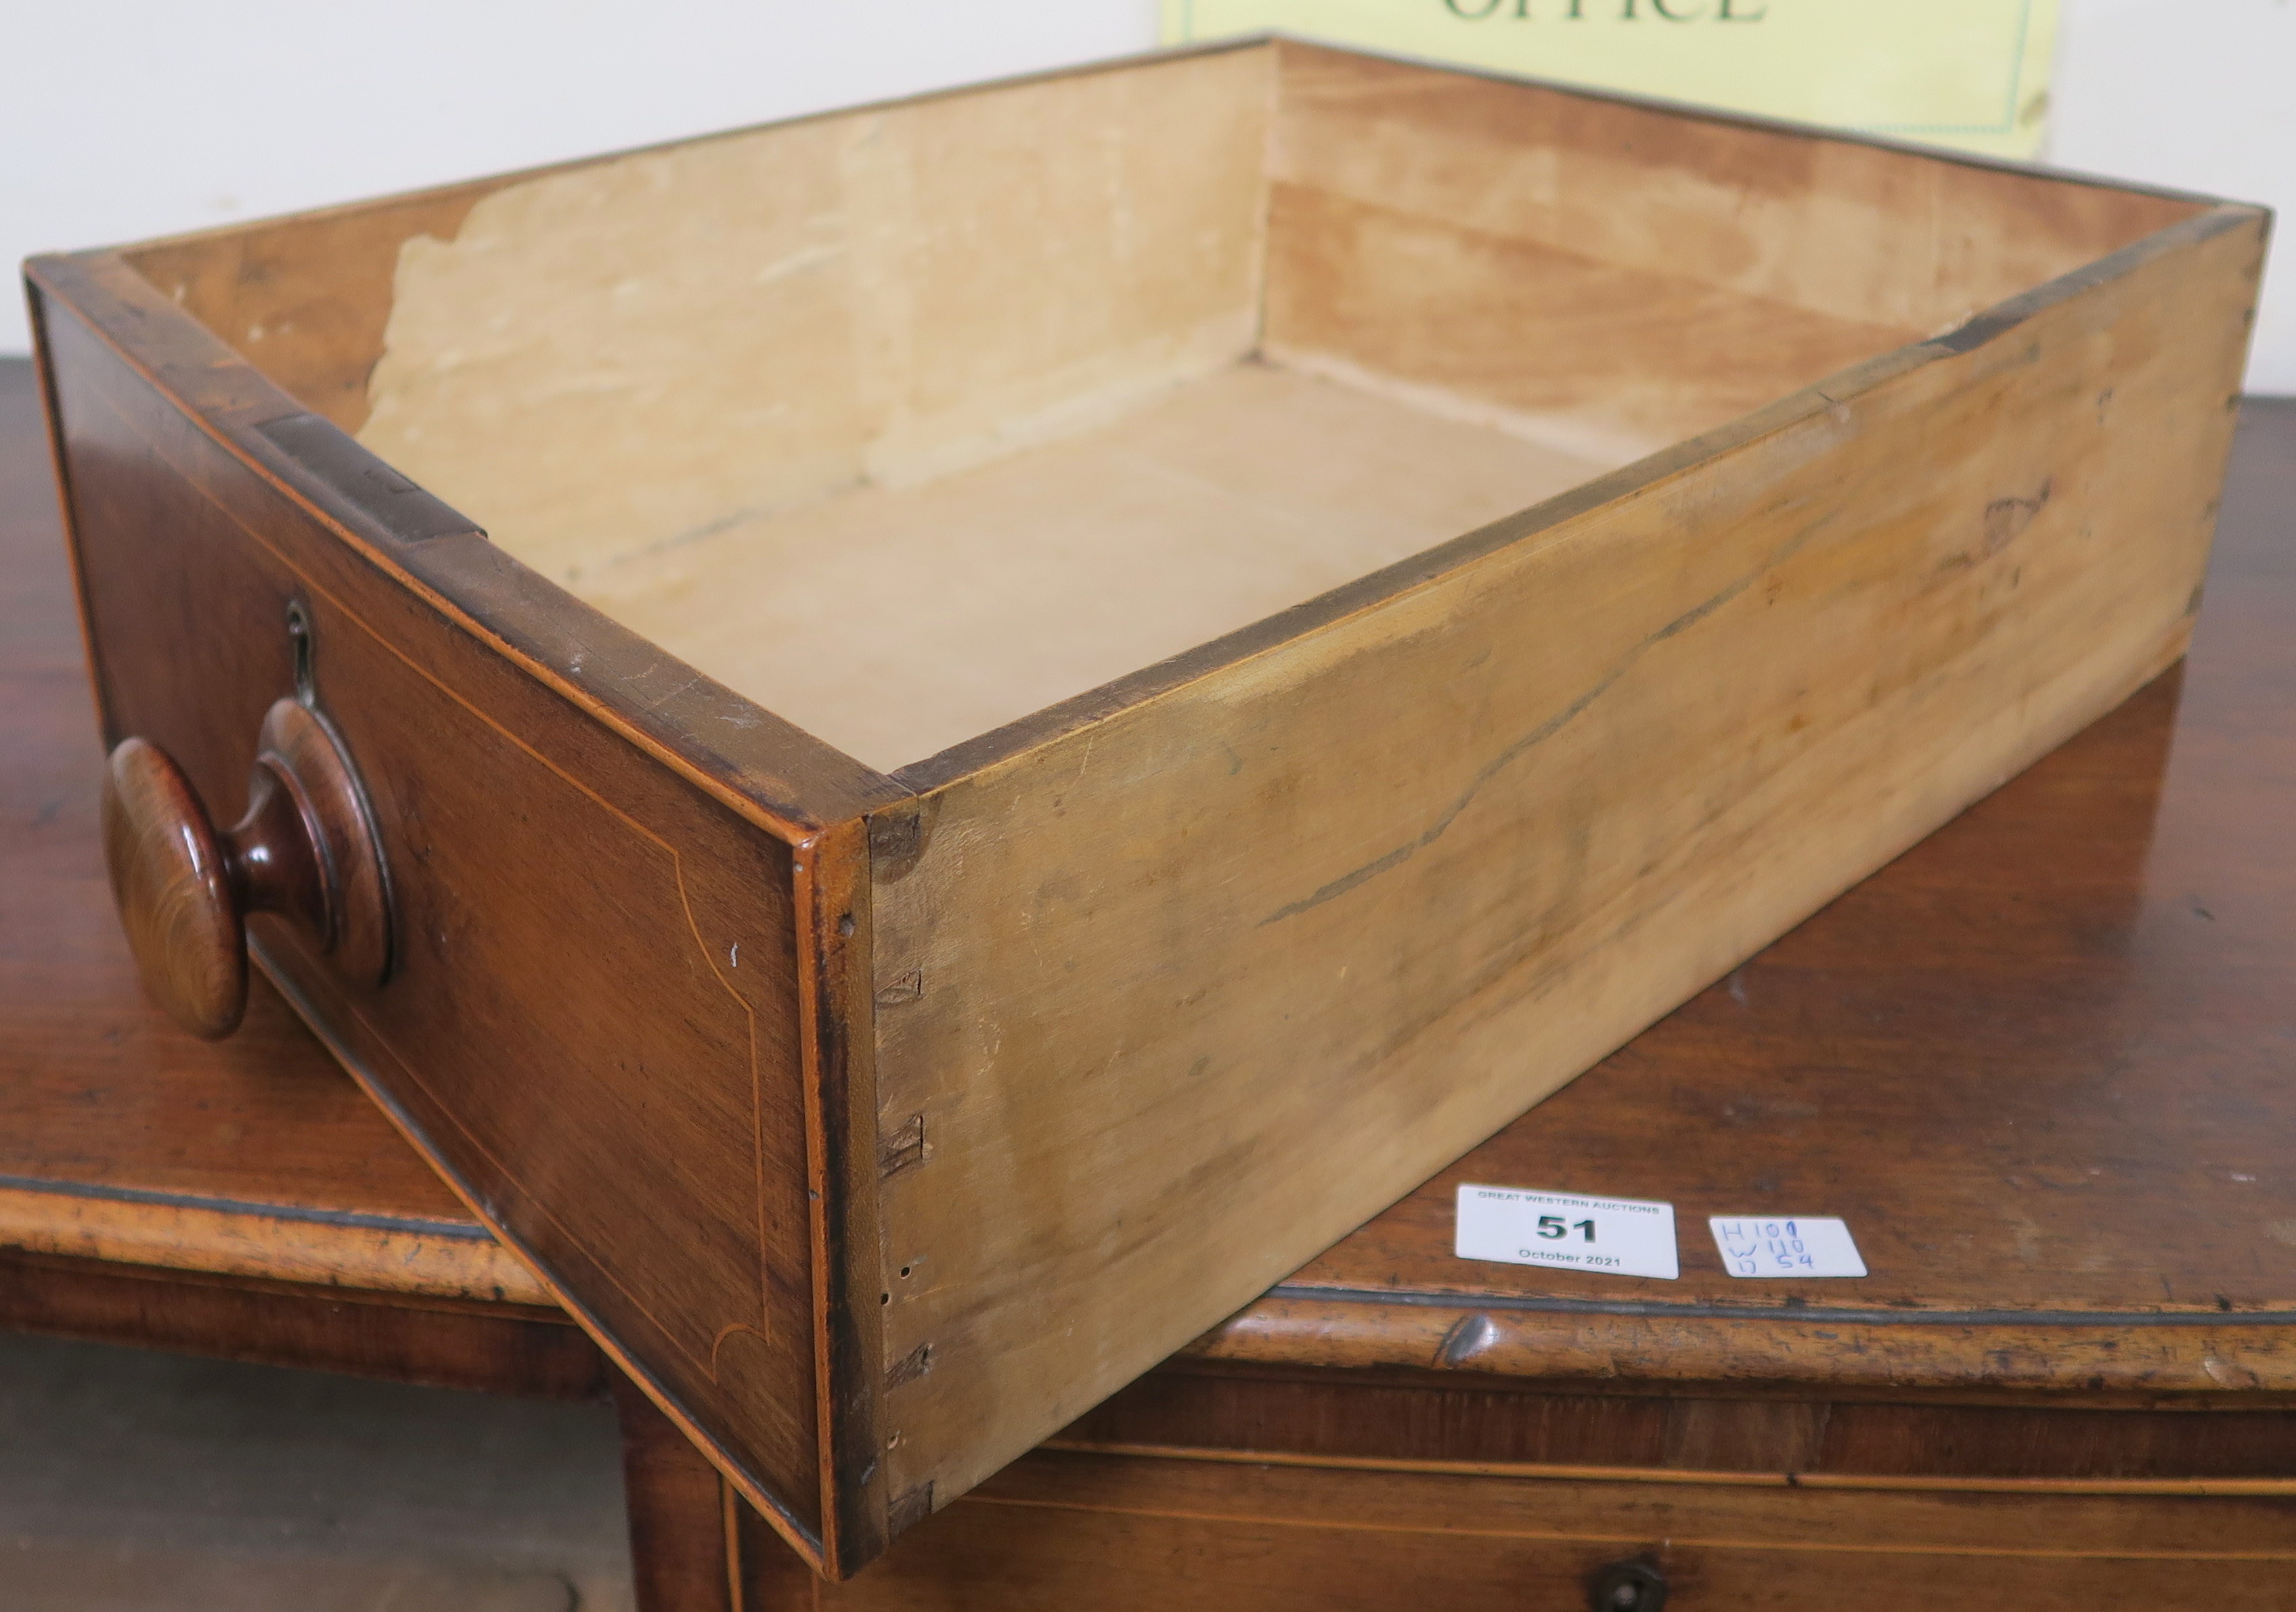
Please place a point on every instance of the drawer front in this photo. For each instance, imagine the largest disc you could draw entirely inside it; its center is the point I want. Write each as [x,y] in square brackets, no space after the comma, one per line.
[590,1014]
[1133,1534]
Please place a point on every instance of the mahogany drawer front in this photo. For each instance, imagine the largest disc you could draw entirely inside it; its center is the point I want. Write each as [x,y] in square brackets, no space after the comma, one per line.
[593,975]
[1062,1529]
[883,1121]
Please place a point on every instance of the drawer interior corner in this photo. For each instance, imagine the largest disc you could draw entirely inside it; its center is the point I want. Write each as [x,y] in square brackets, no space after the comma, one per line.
[910,421]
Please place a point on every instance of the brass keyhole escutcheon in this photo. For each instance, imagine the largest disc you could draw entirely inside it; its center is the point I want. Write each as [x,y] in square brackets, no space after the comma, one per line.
[306,849]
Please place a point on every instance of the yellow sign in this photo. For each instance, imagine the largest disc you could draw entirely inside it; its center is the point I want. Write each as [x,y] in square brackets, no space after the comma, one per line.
[1971,74]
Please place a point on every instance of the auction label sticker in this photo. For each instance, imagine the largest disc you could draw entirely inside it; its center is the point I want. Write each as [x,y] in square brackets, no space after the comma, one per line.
[1618,1236]
[1786,1245]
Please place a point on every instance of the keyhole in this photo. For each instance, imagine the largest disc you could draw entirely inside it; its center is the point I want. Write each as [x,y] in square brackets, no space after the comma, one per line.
[298,633]
[1633,1586]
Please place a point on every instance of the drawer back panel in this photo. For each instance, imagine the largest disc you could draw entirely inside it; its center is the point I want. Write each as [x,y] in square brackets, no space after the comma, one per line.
[1609,275]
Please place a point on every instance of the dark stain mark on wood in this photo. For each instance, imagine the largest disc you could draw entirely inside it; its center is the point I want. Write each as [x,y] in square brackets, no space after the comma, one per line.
[911,1366]
[897,838]
[904,1148]
[910,1509]
[2004,517]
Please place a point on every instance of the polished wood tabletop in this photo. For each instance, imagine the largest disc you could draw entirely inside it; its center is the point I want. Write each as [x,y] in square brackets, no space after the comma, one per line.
[2044,1065]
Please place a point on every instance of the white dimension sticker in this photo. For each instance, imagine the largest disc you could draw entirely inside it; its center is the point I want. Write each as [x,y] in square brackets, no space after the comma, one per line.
[1781,1245]
[1620,1236]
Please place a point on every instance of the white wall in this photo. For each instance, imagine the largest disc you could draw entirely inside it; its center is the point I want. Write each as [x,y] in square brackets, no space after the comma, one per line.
[121,119]
[125,118]
[2200,95]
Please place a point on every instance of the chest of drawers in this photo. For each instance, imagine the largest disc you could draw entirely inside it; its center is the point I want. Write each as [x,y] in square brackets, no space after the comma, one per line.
[922,747]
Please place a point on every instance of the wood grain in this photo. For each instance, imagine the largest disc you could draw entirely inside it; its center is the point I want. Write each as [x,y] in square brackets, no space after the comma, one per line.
[627,354]
[681,1513]
[487,1347]
[230,1236]
[1062,1530]
[1114,983]
[1717,1514]
[175,887]
[307,297]
[2037,932]
[1849,233]
[2009,1435]
[1023,582]
[304,850]
[253,1156]
[2053,1026]
[1268,916]
[480,778]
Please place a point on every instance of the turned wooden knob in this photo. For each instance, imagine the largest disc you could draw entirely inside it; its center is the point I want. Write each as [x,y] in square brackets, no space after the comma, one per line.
[306,849]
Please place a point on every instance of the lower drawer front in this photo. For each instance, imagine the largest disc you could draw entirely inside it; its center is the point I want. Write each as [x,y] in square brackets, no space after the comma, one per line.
[1119,1533]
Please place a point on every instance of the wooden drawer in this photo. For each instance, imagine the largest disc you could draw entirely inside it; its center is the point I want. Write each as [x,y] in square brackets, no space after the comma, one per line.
[972,805]
[1146,1534]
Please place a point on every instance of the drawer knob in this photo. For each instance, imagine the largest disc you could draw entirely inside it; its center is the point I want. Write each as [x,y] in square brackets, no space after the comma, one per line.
[306,849]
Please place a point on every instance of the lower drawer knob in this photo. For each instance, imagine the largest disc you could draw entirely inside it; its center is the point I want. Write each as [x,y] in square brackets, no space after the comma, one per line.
[1633,1586]
[306,849]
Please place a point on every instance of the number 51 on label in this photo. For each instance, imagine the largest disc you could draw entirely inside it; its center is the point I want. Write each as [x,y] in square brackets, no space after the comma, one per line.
[1615,1235]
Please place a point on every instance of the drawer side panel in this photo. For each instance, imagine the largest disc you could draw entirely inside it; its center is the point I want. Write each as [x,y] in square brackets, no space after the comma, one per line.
[1174,999]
